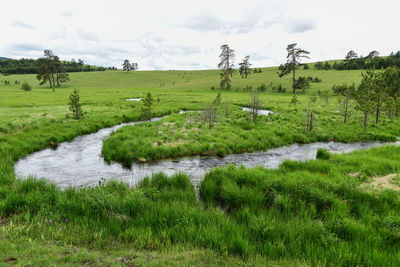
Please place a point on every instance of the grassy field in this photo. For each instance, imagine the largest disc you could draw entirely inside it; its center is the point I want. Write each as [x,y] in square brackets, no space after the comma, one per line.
[314,213]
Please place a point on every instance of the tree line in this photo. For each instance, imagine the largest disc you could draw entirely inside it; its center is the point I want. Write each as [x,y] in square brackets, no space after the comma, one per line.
[377,93]
[31,66]
[354,62]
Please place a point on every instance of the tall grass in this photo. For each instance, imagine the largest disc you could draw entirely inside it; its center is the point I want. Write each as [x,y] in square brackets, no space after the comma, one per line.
[313,212]
[179,135]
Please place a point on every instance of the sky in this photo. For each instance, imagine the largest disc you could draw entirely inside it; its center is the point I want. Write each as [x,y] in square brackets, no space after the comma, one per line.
[186,34]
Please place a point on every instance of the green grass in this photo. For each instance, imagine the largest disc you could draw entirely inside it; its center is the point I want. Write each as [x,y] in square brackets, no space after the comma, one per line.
[313,212]
[317,212]
[187,135]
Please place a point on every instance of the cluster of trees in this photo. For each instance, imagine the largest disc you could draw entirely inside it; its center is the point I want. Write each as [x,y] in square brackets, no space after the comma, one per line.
[51,70]
[226,64]
[354,62]
[130,66]
[31,66]
[378,92]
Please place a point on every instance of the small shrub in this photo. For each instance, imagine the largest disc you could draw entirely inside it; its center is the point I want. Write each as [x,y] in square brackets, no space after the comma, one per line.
[323,154]
[26,87]
[294,100]
[262,88]
[279,89]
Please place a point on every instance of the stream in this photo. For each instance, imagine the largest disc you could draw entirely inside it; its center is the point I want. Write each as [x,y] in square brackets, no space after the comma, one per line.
[79,162]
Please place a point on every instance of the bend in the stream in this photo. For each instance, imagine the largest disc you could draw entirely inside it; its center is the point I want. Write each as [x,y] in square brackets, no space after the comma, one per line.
[79,162]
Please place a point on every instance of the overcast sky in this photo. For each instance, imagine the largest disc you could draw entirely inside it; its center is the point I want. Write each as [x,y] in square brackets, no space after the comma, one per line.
[175,34]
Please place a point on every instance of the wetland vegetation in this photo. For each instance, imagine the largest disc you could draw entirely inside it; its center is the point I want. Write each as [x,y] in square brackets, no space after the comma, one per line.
[335,210]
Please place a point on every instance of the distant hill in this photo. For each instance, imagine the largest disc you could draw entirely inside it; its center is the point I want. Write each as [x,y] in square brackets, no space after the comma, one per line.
[4,58]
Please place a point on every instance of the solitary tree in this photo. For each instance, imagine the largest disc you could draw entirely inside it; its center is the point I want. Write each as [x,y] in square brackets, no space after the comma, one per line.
[126,65]
[226,107]
[373,54]
[255,105]
[294,56]
[244,69]
[345,95]
[74,105]
[364,99]
[44,74]
[226,64]
[146,109]
[309,124]
[351,55]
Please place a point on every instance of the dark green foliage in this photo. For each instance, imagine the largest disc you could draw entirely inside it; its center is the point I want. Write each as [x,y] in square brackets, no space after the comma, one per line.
[319,65]
[372,61]
[51,70]
[26,87]
[294,100]
[315,79]
[279,88]
[74,105]
[244,69]
[343,89]
[217,100]
[302,83]
[327,66]
[226,64]
[323,154]
[147,105]
[262,88]
[31,66]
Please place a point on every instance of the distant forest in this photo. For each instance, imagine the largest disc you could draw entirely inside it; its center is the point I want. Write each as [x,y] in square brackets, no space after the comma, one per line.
[30,66]
[353,62]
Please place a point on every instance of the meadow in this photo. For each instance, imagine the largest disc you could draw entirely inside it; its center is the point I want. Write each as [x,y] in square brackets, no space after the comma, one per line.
[314,213]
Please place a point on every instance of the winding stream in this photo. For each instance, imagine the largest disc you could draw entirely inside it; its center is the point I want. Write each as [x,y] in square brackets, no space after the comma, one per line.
[79,162]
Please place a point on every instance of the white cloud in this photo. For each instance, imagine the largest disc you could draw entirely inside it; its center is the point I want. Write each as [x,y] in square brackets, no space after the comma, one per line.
[22,24]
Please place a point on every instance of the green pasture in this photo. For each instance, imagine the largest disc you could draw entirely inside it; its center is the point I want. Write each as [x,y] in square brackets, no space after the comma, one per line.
[313,213]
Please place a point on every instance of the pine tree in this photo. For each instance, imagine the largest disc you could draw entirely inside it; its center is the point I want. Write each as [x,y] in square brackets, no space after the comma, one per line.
[126,65]
[244,69]
[226,64]
[294,57]
[74,105]
[146,109]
